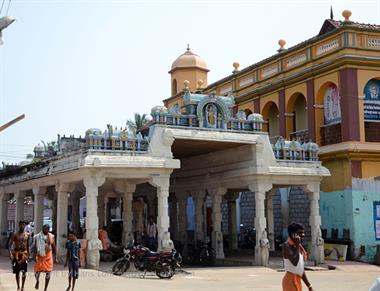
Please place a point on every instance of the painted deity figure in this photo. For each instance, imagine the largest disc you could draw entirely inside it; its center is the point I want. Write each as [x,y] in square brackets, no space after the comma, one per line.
[211,115]
[332,104]
[374,91]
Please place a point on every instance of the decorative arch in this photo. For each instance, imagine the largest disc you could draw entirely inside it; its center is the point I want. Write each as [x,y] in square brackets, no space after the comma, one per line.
[328,114]
[270,114]
[174,87]
[371,110]
[212,112]
[297,117]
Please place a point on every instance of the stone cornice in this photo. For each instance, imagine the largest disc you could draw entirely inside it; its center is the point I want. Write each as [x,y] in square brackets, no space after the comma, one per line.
[351,150]
[328,66]
[292,51]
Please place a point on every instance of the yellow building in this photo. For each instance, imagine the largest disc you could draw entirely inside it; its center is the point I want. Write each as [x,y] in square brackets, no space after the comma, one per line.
[325,89]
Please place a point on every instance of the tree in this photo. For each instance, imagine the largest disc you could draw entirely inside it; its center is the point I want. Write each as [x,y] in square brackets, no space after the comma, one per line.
[140,121]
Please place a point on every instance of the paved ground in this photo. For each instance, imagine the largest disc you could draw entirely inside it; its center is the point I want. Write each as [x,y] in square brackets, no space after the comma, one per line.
[349,276]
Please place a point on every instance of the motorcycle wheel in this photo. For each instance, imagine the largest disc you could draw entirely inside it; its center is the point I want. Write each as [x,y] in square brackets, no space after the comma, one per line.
[164,271]
[120,267]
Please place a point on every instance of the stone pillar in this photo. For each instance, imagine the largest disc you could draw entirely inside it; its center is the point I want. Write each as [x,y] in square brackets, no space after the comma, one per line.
[317,243]
[127,197]
[20,198]
[217,235]
[54,214]
[151,210]
[262,243]
[182,218]
[3,219]
[173,217]
[102,210]
[39,194]
[199,219]
[63,191]
[269,208]
[232,225]
[139,210]
[107,212]
[75,203]
[162,184]
[92,183]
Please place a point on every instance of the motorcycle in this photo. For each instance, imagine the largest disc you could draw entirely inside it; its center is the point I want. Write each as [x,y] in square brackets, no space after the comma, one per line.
[247,237]
[162,263]
[207,255]
[201,253]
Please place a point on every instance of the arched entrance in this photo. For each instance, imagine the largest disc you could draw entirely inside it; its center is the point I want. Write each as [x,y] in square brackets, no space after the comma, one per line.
[328,115]
[296,121]
[270,114]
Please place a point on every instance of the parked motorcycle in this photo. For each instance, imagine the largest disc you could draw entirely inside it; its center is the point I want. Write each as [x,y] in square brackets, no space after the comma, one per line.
[162,263]
[200,253]
[247,237]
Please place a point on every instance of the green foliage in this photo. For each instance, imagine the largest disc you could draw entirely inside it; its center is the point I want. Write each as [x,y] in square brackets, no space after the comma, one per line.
[139,121]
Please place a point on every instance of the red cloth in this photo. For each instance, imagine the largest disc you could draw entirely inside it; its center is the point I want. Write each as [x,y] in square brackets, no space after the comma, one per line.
[45,263]
[103,238]
[291,282]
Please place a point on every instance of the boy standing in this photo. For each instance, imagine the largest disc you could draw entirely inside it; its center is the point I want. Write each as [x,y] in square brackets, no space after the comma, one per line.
[72,259]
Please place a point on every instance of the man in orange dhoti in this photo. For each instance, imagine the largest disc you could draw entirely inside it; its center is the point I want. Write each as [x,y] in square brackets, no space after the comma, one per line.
[294,260]
[43,255]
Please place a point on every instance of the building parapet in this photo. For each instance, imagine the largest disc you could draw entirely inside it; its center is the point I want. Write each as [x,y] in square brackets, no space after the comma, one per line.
[207,111]
[295,150]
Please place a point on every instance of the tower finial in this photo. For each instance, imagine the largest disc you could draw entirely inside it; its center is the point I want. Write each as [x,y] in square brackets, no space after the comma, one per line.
[331,13]
[188,47]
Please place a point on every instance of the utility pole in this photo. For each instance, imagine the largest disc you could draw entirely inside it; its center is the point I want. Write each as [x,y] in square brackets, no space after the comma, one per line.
[8,124]
[5,21]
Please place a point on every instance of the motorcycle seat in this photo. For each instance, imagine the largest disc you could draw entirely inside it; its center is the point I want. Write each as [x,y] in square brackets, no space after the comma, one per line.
[152,254]
[165,254]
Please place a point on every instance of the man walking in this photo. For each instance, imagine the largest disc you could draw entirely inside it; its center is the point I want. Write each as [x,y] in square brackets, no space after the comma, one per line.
[294,260]
[43,255]
[19,254]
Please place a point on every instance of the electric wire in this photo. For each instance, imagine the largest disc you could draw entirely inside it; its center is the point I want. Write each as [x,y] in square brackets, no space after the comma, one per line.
[9,4]
[2,5]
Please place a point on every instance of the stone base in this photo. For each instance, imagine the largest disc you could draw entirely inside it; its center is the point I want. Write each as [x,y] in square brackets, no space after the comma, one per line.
[93,255]
[217,244]
[261,256]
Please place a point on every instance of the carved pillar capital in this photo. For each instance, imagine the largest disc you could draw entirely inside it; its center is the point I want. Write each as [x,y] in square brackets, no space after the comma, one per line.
[64,187]
[124,187]
[217,191]
[93,182]
[161,182]
[39,190]
[19,194]
[261,187]
[313,187]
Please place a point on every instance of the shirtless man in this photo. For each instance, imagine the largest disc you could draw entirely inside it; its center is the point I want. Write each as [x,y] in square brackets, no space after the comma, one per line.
[294,260]
[43,255]
[19,254]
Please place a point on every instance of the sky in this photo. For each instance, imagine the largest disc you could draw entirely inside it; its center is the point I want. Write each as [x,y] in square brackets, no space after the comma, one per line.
[70,65]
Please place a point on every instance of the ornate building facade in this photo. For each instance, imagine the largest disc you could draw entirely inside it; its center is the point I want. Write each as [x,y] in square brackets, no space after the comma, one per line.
[325,90]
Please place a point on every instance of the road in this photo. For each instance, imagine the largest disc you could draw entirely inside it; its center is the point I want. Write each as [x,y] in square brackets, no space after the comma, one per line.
[350,276]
